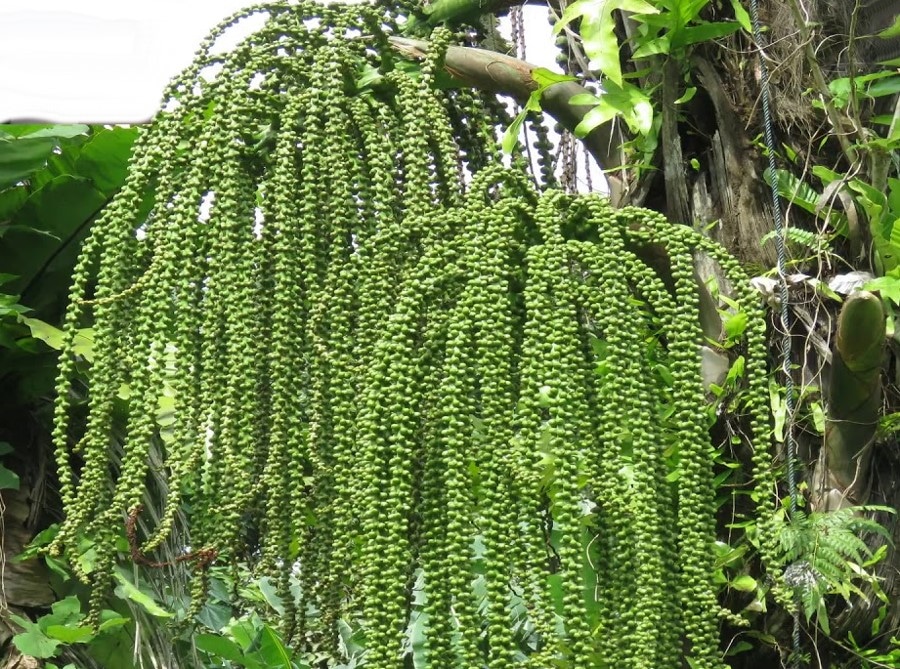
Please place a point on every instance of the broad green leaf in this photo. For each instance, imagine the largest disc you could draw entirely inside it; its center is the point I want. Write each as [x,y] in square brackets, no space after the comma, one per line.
[60,131]
[597,116]
[11,200]
[703,33]
[887,286]
[59,211]
[818,416]
[741,15]
[736,371]
[68,608]
[34,642]
[794,190]
[112,621]
[735,325]
[687,96]
[54,337]
[19,158]
[891,31]
[219,646]
[58,567]
[739,647]
[744,583]
[884,87]
[826,175]
[9,480]
[840,90]
[511,136]
[104,158]
[370,77]
[127,590]
[642,116]
[598,30]
[6,448]
[545,78]
[40,540]
[779,411]
[687,10]
[894,196]
[69,634]
[270,594]
[598,36]
[242,631]
[627,101]
[273,650]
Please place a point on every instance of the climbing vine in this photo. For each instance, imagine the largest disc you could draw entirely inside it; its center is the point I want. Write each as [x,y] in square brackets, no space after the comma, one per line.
[375,364]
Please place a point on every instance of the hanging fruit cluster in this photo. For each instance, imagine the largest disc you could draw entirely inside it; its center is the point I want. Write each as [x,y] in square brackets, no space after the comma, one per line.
[393,371]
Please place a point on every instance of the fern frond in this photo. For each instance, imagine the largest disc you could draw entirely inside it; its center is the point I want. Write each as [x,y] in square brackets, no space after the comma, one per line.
[823,553]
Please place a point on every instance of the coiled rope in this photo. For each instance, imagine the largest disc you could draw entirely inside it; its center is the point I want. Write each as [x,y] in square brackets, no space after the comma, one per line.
[784,313]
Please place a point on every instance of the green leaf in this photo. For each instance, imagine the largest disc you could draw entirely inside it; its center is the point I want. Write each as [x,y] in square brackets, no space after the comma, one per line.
[64,612]
[627,101]
[19,158]
[545,78]
[219,646]
[54,337]
[884,87]
[41,539]
[736,372]
[741,15]
[687,11]
[891,31]
[369,77]
[598,30]
[58,212]
[67,634]
[127,590]
[104,158]
[6,448]
[652,47]
[272,649]
[735,325]
[58,567]
[688,95]
[779,411]
[703,33]
[270,594]
[35,643]
[511,136]
[597,116]
[9,480]
[59,131]
[112,621]
[739,647]
[887,286]
[11,200]
[794,190]
[744,583]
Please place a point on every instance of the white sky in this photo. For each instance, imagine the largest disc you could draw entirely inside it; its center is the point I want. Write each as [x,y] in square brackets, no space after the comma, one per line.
[107,61]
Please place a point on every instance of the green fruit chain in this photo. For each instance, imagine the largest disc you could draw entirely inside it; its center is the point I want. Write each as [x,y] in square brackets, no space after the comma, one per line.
[358,354]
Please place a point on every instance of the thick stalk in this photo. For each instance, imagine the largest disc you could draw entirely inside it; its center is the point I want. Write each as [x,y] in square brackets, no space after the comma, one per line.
[505,75]
[854,403]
